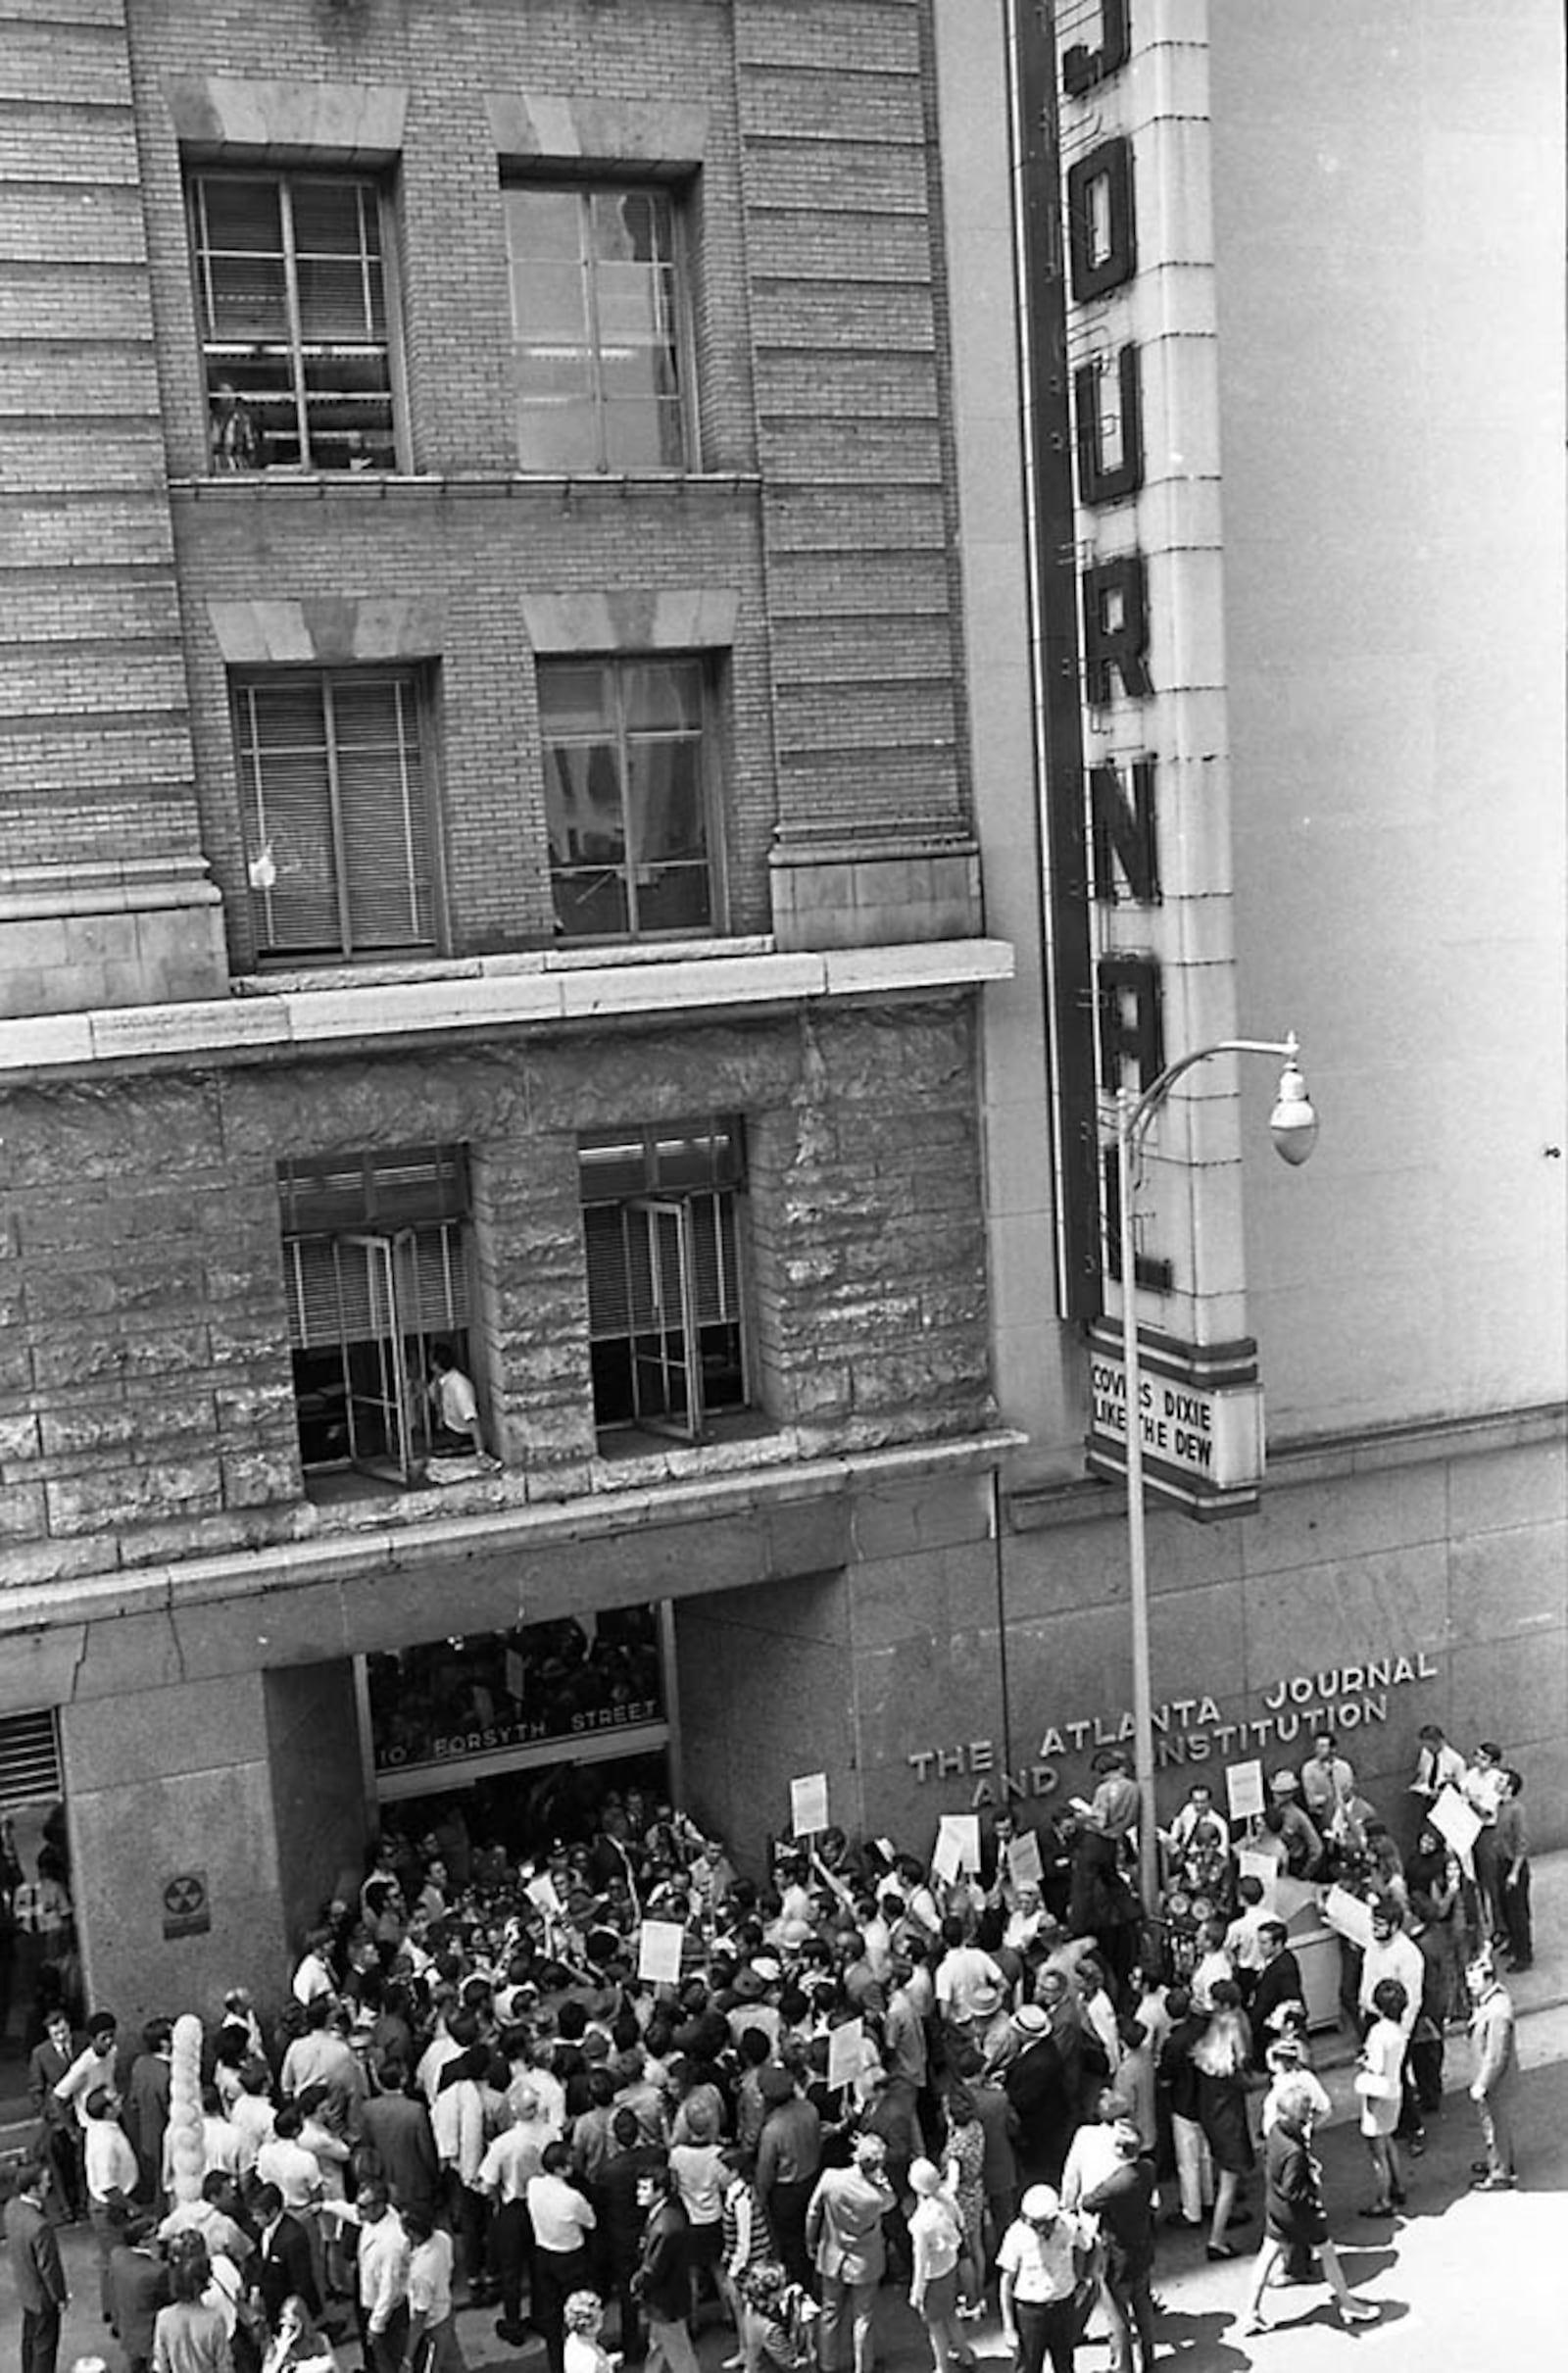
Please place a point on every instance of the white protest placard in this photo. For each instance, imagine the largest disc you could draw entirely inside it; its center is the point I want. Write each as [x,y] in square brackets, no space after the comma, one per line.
[1023,1859]
[809,1804]
[1349,1917]
[1244,1788]
[964,1830]
[946,1856]
[1265,1869]
[544,1892]
[846,2049]
[659,1945]
[1457,1823]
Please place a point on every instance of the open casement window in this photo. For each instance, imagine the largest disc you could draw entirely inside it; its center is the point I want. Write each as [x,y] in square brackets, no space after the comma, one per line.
[627,757]
[367,1303]
[338,831]
[291,284]
[597,371]
[665,1290]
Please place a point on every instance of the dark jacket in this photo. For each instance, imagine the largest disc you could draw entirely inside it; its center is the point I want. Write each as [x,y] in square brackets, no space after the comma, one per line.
[663,2279]
[617,2197]
[1278,1981]
[1176,2074]
[1292,2200]
[35,2256]
[1124,2202]
[138,2285]
[1036,2086]
[282,2268]
[397,2128]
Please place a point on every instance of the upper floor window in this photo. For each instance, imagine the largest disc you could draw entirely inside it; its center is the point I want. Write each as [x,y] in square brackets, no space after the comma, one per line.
[375,1252]
[336,809]
[666,1293]
[291,275]
[627,796]
[598,382]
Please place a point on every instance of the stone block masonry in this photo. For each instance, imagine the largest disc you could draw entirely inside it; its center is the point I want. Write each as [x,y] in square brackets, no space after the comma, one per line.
[146,1402]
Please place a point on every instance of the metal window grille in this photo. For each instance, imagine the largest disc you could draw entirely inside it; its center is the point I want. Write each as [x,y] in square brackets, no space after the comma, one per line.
[291,278]
[336,813]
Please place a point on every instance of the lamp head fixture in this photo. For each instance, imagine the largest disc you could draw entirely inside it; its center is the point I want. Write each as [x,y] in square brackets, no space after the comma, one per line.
[1293,1124]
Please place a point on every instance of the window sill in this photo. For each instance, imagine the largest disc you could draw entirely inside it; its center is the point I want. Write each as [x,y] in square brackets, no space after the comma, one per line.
[631,1458]
[283,979]
[367,485]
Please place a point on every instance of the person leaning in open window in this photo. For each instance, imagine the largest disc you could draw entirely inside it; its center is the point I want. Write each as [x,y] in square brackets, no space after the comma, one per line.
[455,1430]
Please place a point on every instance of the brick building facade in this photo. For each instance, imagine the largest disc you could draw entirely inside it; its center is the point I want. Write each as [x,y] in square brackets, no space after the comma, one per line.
[483,690]
[521,557]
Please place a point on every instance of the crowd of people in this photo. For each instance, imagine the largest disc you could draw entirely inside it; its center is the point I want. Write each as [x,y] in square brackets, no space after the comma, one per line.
[986,2087]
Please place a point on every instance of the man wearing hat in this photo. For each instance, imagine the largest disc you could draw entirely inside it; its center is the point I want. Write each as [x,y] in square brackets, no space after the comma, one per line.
[1042,2263]
[1034,2083]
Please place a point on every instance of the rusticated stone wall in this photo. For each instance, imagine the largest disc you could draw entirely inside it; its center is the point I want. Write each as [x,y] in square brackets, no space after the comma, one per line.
[146,1410]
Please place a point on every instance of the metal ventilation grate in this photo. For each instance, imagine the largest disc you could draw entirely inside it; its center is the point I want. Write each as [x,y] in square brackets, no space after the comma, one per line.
[30,1760]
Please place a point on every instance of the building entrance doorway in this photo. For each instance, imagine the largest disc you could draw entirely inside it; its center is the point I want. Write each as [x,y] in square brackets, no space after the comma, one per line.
[515,1740]
[524,1814]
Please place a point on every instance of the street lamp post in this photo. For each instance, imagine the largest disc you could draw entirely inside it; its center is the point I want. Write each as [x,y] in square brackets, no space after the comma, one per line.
[1293,1124]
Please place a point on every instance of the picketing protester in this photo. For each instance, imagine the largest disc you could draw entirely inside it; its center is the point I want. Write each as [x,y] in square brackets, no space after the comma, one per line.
[861,2062]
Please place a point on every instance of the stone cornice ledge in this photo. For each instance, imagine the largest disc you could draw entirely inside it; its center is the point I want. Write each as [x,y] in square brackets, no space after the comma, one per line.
[246,1573]
[1311,1460]
[317,1021]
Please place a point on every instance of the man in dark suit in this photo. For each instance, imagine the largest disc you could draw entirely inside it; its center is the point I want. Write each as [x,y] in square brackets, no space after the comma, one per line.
[35,2256]
[1278,1981]
[138,2285]
[395,2124]
[283,2266]
[1035,2082]
[146,2116]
